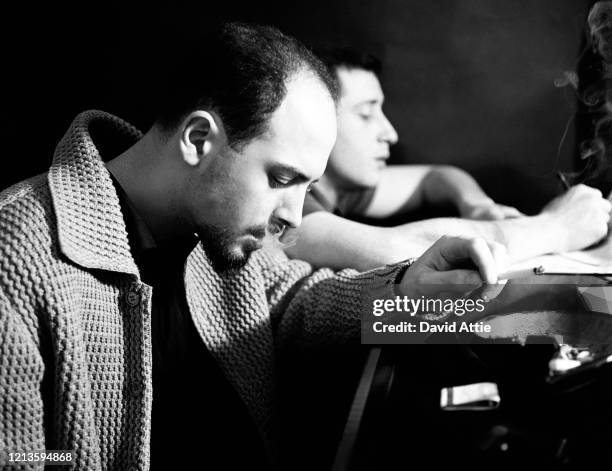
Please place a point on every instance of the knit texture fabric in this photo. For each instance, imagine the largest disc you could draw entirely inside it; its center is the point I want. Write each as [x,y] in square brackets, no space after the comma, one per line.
[75,318]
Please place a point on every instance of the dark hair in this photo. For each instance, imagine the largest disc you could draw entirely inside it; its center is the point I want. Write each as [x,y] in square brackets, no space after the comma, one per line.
[336,57]
[240,71]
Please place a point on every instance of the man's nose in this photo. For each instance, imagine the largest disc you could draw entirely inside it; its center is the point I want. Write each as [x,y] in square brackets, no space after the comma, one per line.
[388,132]
[289,212]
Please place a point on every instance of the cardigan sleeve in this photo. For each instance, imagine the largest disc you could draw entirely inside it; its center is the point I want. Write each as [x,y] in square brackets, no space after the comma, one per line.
[322,307]
[21,375]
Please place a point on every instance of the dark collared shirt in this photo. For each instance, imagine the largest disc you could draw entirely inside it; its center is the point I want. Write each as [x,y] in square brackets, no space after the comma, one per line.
[197,416]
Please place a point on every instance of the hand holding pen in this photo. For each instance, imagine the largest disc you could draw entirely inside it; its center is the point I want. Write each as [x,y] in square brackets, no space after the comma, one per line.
[578,218]
[566,186]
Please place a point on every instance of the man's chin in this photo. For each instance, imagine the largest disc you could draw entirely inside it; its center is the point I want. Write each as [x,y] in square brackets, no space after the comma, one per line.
[227,262]
[228,265]
[227,251]
[230,257]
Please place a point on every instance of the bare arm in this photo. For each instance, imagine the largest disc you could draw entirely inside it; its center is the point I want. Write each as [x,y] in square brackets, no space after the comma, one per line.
[327,240]
[571,222]
[407,187]
[523,238]
[332,241]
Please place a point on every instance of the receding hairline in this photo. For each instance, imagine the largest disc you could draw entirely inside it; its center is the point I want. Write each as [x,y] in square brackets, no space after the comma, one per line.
[303,71]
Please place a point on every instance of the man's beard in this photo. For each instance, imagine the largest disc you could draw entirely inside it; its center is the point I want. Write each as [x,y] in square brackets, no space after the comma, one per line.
[224,250]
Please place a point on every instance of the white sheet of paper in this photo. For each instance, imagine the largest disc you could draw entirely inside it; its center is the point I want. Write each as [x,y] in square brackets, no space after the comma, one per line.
[595,261]
[599,256]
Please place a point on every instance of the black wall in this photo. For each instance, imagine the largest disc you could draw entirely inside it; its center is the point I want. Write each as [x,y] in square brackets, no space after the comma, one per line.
[467,82]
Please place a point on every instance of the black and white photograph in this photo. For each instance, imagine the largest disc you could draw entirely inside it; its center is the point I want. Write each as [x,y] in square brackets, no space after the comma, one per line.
[326,235]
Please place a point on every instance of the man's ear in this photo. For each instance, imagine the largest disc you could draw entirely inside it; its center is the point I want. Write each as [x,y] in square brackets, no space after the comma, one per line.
[201,133]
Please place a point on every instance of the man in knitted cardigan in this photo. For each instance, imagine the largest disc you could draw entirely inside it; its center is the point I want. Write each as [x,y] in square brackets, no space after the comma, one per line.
[139,321]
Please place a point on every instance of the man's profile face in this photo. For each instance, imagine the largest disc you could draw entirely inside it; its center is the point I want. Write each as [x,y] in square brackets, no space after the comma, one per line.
[364,132]
[247,196]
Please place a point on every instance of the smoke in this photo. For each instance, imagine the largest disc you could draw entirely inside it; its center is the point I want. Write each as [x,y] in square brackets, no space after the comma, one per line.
[594,91]
[569,78]
[599,23]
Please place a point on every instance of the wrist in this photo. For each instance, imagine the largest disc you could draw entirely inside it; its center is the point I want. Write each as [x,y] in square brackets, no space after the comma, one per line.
[551,233]
[401,287]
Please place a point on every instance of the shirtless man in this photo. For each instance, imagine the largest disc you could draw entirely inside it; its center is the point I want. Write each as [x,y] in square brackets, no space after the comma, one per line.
[358,183]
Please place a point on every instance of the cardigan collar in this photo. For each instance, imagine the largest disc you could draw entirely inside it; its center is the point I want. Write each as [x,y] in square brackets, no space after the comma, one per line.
[90,225]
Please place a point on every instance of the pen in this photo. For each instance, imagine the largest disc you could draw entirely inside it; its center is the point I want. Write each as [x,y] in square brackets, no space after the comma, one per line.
[563,180]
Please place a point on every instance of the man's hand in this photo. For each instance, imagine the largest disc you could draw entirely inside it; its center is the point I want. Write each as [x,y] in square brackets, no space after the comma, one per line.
[579,217]
[465,262]
[488,210]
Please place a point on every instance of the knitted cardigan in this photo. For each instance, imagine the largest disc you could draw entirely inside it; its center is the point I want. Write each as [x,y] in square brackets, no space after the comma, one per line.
[75,318]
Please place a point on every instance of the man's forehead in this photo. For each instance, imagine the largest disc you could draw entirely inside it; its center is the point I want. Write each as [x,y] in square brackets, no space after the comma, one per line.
[359,86]
[302,131]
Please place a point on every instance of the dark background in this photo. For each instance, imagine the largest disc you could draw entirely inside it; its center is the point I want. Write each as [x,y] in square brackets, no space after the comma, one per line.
[467,82]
